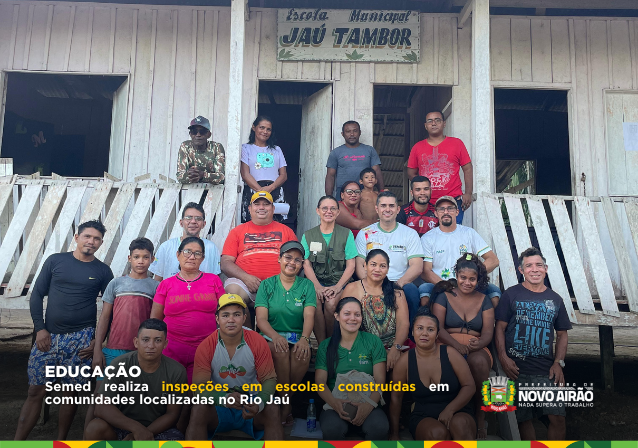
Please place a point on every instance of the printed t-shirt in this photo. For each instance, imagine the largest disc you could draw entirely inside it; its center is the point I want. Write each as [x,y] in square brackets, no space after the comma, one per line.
[72,286]
[349,162]
[190,313]
[251,364]
[441,165]
[421,222]
[169,372]
[401,245]
[132,300]
[443,249]
[367,350]
[285,308]
[264,163]
[256,248]
[531,320]
[351,247]
[166,264]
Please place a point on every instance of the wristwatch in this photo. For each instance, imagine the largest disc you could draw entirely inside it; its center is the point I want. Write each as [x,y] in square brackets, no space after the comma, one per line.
[398,347]
[560,362]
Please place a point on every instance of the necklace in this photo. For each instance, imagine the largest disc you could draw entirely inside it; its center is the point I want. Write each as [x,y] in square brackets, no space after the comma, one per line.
[188,282]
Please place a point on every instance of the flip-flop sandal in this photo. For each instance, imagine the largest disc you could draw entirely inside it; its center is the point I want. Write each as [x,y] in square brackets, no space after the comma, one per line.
[290,420]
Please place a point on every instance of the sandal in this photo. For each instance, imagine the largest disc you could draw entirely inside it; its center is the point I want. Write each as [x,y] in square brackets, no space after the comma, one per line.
[290,420]
[481,434]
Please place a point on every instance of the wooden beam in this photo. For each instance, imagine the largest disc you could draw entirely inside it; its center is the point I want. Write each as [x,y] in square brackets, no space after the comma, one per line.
[606,340]
[465,12]
[559,4]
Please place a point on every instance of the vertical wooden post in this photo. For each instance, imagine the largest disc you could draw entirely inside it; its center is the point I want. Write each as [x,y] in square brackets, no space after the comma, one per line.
[235,100]
[481,106]
[606,340]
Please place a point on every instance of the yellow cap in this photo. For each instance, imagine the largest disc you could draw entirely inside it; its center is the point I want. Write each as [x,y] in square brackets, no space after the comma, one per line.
[230,299]
[261,194]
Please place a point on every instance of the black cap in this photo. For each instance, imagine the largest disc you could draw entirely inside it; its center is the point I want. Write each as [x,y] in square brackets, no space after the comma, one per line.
[292,245]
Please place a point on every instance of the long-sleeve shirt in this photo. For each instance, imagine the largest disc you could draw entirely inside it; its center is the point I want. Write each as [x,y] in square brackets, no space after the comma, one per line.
[72,286]
[213,160]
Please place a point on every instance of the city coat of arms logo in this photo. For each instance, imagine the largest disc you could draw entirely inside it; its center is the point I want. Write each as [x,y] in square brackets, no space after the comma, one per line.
[498,394]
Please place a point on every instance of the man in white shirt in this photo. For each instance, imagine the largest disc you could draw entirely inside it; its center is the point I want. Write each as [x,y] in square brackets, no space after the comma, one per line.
[444,245]
[400,242]
[193,221]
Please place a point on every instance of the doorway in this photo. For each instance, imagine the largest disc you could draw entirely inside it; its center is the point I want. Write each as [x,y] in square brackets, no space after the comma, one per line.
[531,137]
[61,124]
[399,117]
[302,122]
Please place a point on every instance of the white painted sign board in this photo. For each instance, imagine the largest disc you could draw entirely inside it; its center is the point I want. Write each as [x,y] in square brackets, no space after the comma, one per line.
[348,35]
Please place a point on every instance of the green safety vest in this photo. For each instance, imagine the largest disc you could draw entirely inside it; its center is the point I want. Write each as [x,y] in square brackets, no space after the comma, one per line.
[330,262]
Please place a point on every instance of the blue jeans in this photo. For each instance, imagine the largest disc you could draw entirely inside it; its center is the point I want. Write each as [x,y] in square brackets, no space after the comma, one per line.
[459,217]
[414,301]
[490,291]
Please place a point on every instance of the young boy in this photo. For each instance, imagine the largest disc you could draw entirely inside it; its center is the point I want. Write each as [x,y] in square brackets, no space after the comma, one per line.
[368,179]
[126,303]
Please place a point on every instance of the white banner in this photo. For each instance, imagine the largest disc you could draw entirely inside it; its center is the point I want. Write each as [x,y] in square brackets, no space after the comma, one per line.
[347,35]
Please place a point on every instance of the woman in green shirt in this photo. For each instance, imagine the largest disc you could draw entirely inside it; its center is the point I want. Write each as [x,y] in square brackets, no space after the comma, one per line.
[350,349]
[285,308]
[330,255]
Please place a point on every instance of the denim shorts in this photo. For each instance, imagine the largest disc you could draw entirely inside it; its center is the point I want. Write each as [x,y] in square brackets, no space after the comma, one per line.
[525,413]
[229,419]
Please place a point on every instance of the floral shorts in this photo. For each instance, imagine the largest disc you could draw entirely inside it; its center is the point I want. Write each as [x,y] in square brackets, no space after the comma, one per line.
[64,351]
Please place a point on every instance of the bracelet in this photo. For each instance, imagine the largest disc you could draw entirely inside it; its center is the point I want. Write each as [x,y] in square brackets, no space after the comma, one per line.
[306,338]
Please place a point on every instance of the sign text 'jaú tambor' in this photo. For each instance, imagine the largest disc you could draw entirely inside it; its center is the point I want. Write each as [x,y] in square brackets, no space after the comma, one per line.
[347,35]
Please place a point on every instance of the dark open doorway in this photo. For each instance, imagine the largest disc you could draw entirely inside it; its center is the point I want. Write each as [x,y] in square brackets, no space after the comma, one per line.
[282,101]
[532,142]
[59,124]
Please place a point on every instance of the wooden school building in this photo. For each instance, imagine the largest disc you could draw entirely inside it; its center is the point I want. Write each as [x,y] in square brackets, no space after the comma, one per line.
[97,97]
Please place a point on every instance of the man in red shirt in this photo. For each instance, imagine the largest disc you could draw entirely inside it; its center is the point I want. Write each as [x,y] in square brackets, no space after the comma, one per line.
[439,158]
[418,214]
[251,250]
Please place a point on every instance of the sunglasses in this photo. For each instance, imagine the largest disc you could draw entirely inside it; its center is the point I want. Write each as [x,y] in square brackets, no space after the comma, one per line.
[198,131]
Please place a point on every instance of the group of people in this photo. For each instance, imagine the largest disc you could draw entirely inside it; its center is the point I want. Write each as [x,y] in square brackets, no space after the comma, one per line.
[390,293]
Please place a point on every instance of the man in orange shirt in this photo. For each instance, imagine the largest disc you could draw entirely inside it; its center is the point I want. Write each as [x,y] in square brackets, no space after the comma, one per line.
[251,250]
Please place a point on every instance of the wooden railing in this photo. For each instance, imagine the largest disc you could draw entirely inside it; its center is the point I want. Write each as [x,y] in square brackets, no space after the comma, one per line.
[581,248]
[40,216]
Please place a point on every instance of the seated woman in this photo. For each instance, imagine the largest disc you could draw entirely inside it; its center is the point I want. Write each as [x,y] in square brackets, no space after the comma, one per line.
[350,349]
[385,310]
[263,165]
[468,322]
[285,308]
[441,414]
[350,215]
[330,254]
[187,303]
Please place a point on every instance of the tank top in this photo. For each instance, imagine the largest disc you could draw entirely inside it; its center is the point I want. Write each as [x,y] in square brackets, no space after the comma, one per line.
[378,319]
[427,402]
[354,231]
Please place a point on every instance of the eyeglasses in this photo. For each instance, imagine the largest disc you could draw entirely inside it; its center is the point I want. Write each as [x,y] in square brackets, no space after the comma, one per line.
[189,252]
[328,209]
[353,191]
[291,259]
[196,218]
[449,209]
[198,131]
[434,120]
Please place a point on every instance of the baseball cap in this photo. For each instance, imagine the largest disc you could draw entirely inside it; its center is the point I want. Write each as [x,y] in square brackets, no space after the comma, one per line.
[200,121]
[230,299]
[292,245]
[261,194]
[445,198]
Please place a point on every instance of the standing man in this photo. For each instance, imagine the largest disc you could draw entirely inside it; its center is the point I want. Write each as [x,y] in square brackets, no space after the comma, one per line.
[400,242]
[419,213]
[526,319]
[198,159]
[193,221]
[64,336]
[251,250]
[445,244]
[346,162]
[439,158]
[235,357]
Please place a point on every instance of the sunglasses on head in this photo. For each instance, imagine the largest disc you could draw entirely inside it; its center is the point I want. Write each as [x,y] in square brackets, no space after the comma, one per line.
[198,131]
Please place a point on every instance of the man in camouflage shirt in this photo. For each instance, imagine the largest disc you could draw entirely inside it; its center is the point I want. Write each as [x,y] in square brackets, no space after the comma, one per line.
[200,160]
